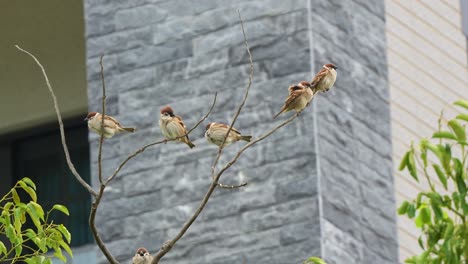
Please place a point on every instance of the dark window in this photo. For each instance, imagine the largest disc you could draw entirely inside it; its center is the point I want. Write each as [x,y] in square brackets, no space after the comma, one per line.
[41,158]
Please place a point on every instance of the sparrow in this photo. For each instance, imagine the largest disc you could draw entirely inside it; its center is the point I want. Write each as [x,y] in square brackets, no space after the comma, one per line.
[111,125]
[173,127]
[299,97]
[324,79]
[215,133]
[142,256]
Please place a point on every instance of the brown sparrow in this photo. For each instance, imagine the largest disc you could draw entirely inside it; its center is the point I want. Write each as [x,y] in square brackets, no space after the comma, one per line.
[142,256]
[299,97]
[111,125]
[324,79]
[215,133]
[173,127]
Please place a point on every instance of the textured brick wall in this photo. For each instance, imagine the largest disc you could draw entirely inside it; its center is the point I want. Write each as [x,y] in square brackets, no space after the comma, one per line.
[178,53]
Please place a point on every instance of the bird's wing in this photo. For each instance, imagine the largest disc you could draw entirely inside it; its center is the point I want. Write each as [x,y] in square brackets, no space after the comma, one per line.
[110,121]
[179,121]
[320,75]
[293,96]
[226,127]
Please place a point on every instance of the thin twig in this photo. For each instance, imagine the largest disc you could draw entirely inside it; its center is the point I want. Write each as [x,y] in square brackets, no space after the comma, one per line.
[101,136]
[95,205]
[140,150]
[246,94]
[92,224]
[62,131]
[224,186]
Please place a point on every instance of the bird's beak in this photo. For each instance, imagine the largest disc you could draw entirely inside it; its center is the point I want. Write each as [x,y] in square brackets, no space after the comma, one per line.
[86,119]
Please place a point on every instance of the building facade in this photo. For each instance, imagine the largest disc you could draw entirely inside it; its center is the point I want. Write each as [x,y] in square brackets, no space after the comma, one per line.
[325,185]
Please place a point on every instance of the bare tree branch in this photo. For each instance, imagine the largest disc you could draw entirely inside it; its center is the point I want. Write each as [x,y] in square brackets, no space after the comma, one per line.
[140,150]
[101,136]
[102,186]
[246,94]
[224,186]
[62,131]
[92,224]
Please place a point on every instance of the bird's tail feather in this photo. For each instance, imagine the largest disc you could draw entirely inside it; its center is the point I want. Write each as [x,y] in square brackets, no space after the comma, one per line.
[190,144]
[129,129]
[280,112]
[246,138]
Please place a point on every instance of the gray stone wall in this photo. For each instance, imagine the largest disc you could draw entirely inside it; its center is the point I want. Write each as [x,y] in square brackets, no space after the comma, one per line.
[353,134]
[321,186]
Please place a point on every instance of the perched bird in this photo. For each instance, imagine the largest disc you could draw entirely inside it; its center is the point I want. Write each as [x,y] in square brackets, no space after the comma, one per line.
[299,97]
[215,133]
[324,79]
[142,256]
[173,127]
[111,125]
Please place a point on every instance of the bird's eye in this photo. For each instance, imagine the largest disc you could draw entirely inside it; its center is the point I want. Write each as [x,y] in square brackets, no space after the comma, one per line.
[146,254]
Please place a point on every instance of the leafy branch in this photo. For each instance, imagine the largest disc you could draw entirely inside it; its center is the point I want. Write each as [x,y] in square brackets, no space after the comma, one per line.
[442,215]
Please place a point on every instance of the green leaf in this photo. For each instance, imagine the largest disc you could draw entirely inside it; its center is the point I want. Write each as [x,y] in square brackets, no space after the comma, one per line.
[61,208]
[448,230]
[441,175]
[3,249]
[35,216]
[446,157]
[462,103]
[66,247]
[422,259]
[458,129]
[456,200]
[17,220]
[412,166]
[314,260]
[420,242]
[15,195]
[35,260]
[30,191]
[59,255]
[10,232]
[425,215]
[432,147]
[18,250]
[403,208]
[437,210]
[461,186]
[404,161]
[65,232]
[419,221]
[444,135]
[29,182]
[464,206]
[411,211]
[463,117]
[38,208]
